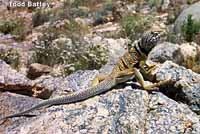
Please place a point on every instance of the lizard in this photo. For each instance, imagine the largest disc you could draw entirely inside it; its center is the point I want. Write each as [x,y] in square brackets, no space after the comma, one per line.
[126,68]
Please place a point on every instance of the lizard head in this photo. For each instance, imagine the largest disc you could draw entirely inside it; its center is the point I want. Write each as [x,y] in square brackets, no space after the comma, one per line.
[149,41]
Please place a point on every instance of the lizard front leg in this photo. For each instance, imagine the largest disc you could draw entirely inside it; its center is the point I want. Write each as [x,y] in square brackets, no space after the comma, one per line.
[140,79]
[148,68]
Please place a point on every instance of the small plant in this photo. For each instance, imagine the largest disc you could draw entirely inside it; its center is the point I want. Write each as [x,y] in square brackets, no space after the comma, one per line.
[11,57]
[7,26]
[15,27]
[21,30]
[133,26]
[190,28]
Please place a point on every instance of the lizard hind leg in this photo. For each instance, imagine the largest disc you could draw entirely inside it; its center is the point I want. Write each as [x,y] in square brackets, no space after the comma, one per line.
[98,79]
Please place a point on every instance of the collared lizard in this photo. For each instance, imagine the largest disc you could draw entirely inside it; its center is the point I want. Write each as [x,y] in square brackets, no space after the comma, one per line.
[127,67]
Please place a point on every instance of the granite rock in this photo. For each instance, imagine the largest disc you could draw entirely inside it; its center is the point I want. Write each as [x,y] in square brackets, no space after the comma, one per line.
[125,109]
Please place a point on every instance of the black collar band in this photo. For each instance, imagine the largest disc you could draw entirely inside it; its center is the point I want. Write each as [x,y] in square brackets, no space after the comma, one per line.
[140,49]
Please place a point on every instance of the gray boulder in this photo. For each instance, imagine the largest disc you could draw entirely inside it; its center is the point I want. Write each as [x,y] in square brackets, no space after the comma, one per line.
[185,54]
[125,109]
[194,10]
[185,87]
[166,51]
[165,116]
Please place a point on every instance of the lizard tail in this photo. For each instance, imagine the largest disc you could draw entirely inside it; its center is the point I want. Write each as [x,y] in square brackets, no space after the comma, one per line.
[43,103]
[71,98]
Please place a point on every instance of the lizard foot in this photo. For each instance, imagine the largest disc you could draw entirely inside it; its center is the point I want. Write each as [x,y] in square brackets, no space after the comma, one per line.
[155,86]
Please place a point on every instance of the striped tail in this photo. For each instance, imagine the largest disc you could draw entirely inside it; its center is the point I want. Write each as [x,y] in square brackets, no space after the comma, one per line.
[74,97]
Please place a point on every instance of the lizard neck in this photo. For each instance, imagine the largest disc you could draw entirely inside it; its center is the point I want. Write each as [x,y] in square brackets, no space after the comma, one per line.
[140,55]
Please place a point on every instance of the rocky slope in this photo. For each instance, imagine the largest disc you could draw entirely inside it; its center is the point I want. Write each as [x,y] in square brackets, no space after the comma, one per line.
[124,109]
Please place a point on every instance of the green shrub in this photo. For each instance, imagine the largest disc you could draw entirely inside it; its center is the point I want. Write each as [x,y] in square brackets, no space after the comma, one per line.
[133,26]
[45,51]
[15,27]
[51,49]
[21,30]
[190,28]
[11,57]
[7,26]
[90,57]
